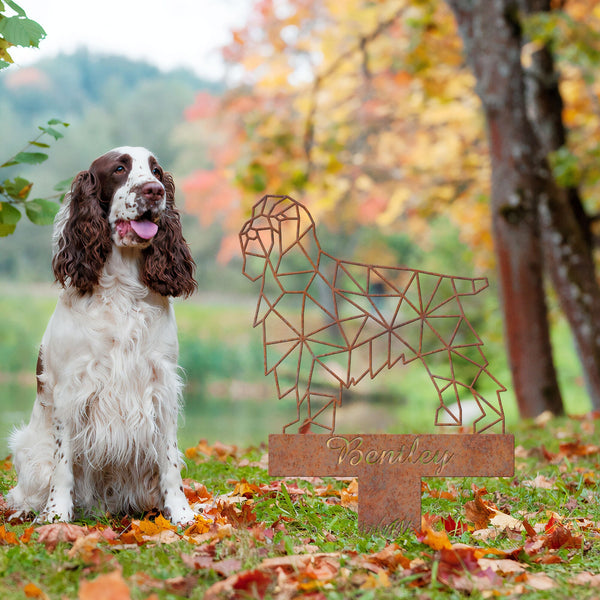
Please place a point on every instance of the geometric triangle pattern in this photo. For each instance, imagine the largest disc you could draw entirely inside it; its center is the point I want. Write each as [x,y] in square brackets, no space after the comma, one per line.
[329,320]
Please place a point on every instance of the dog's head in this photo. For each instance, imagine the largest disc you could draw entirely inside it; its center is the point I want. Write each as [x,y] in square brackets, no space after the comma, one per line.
[280,235]
[124,200]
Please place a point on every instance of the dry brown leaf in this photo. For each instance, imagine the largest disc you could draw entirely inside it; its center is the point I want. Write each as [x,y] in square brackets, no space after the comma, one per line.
[224,567]
[586,578]
[388,559]
[251,583]
[503,566]
[576,448]
[501,520]
[478,511]
[180,586]
[378,580]
[349,496]
[537,581]
[86,549]
[540,482]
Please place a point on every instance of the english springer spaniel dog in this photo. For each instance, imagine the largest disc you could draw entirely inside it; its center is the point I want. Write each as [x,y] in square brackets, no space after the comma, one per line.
[103,432]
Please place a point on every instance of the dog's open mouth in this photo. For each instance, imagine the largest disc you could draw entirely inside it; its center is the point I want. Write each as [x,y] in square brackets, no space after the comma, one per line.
[144,227]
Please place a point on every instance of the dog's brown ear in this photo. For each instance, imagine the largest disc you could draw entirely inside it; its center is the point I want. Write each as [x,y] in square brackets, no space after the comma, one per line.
[168,267]
[83,243]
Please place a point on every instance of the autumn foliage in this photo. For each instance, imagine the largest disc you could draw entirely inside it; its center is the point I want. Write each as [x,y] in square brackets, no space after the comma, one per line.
[293,538]
[368,111]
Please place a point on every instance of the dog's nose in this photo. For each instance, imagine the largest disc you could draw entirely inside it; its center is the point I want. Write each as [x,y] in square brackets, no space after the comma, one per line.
[153,191]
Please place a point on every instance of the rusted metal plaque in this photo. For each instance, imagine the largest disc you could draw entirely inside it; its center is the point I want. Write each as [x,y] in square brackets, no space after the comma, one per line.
[389,467]
[328,323]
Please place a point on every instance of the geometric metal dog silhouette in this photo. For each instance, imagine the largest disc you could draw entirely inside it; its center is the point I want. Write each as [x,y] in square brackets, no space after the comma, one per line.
[326,319]
[368,318]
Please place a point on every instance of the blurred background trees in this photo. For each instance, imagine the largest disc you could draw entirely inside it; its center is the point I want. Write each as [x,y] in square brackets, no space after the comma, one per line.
[376,113]
[455,136]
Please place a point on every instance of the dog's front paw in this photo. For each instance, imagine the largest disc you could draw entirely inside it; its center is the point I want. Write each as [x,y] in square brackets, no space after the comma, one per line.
[179,510]
[56,511]
[182,516]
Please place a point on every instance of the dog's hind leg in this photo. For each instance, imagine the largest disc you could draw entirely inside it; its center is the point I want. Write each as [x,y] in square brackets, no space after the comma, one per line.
[465,372]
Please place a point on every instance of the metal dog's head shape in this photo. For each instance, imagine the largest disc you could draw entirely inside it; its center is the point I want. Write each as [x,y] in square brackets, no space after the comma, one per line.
[277,225]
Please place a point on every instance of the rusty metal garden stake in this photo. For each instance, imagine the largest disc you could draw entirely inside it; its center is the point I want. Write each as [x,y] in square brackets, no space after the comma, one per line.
[327,319]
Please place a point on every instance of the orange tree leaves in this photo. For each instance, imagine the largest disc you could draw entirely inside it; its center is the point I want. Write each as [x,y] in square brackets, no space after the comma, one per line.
[368,106]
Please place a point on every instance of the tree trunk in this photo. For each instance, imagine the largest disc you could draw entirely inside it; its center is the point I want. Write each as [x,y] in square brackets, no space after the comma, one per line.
[567,237]
[492,40]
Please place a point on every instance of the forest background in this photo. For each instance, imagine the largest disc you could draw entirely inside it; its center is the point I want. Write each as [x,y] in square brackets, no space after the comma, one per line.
[368,114]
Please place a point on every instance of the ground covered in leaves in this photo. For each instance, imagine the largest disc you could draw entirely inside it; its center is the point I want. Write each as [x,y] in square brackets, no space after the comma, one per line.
[536,535]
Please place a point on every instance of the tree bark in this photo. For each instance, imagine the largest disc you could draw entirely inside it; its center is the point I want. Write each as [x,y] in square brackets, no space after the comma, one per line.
[567,237]
[492,41]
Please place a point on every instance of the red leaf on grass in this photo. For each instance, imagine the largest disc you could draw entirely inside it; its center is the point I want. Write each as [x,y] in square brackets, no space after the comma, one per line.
[195,492]
[561,537]
[388,560]
[50,535]
[459,569]
[454,527]
[238,517]
[576,448]
[224,567]
[248,584]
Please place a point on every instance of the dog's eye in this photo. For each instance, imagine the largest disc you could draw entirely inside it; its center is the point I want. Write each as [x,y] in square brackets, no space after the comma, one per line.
[156,172]
[119,169]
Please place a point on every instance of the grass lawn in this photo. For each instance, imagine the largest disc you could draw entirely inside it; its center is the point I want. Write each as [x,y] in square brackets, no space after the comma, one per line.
[534,535]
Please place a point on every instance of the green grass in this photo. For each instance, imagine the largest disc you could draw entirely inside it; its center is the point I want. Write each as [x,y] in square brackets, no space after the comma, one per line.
[219,348]
[298,520]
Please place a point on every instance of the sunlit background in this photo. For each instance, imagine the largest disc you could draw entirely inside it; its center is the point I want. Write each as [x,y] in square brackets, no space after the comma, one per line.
[154,74]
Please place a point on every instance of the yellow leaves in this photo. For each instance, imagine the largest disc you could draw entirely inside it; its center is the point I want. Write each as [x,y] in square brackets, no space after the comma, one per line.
[395,207]
[4,55]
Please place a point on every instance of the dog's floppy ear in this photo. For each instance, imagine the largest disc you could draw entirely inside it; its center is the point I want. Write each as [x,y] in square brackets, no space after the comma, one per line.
[82,239]
[168,267]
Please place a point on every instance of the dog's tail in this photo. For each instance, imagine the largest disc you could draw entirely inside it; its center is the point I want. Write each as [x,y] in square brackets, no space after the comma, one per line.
[469,287]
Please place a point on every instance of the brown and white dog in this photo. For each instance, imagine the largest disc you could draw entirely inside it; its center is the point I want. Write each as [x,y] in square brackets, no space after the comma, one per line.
[103,432]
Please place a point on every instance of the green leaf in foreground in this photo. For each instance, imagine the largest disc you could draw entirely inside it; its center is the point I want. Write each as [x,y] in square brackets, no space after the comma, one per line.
[30,158]
[9,217]
[41,211]
[18,188]
[21,31]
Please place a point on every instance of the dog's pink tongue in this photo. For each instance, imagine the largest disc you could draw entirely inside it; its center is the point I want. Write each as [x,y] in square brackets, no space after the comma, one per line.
[145,229]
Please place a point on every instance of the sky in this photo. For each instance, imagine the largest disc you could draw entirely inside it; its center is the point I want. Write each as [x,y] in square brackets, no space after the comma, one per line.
[167,33]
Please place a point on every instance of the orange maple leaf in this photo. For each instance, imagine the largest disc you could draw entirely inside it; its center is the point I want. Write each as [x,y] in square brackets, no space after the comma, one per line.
[8,537]
[437,540]
[33,591]
[110,586]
